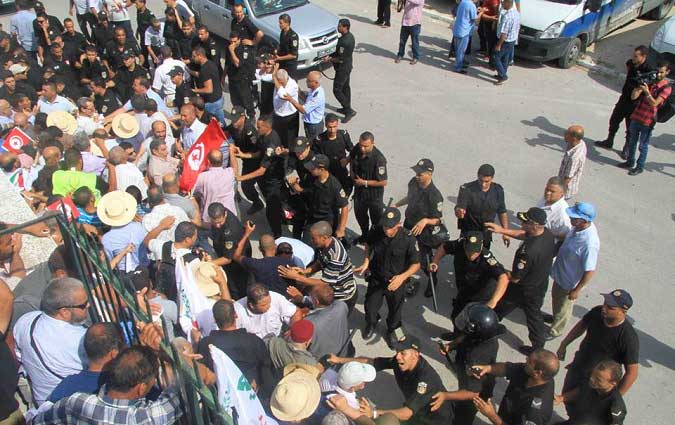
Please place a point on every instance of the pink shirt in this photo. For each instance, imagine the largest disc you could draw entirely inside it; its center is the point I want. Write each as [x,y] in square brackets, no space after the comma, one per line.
[216,185]
[412,13]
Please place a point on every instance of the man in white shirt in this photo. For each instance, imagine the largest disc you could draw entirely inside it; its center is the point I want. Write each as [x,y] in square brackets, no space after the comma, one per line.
[352,377]
[286,118]
[162,83]
[87,118]
[49,343]
[119,15]
[126,172]
[192,127]
[153,39]
[263,313]
[141,87]
[50,101]
[553,202]
[161,209]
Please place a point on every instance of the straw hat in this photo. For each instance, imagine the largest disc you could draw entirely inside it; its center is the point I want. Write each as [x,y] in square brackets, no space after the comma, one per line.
[296,396]
[116,208]
[95,150]
[125,126]
[204,272]
[63,120]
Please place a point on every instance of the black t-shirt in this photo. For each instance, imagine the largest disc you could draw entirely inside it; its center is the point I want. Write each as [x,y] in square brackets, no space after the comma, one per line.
[246,29]
[144,21]
[476,280]
[185,43]
[418,386]
[209,71]
[601,342]
[471,353]
[107,103]
[324,199]
[481,207]
[344,51]
[124,78]
[182,95]
[273,163]
[9,378]
[631,73]
[21,88]
[73,45]
[61,66]
[532,262]
[391,256]
[371,167]
[523,405]
[102,36]
[297,164]
[113,52]
[422,203]
[593,408]
[265,271]
[288,45]
[210,47]
[336,150]
[226,237]
[246,69]
[55,28]
[246,140]
[93,70]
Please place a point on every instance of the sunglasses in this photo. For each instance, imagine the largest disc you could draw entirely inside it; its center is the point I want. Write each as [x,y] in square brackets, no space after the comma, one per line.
[82,306]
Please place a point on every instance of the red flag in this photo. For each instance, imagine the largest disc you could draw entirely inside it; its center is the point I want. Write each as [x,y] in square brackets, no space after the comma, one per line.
[15,140]
[195,159]
[71,210]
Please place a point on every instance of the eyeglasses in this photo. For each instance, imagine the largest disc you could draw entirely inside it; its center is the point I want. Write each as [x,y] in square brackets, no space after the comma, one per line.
[82,306]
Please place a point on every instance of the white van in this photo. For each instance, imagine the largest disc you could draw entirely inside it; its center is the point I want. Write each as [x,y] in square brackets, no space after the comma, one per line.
[562,29]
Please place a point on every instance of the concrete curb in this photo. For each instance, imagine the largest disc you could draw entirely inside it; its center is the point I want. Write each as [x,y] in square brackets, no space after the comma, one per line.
[587,63]
[438,16]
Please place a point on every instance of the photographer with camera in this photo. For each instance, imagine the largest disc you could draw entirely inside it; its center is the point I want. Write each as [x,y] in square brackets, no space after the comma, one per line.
[650,96]
[636,70]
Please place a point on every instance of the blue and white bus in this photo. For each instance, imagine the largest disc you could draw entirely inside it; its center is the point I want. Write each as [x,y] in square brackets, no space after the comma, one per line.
[562,29]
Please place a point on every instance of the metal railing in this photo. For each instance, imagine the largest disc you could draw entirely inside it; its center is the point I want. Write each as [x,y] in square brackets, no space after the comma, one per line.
[111,300]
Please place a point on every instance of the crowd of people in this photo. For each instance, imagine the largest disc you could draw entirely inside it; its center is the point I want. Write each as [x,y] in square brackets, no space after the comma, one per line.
[107,124]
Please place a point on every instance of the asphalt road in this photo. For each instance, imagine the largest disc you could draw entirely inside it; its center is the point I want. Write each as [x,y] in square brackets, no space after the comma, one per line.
[461,122]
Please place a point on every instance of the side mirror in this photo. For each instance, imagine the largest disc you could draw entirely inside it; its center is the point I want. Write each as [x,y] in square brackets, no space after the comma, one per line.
[593,5]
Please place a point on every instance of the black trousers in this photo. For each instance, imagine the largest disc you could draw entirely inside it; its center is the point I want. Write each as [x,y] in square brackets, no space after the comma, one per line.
[341,89]
[287,128]
[86,22]
[573,379]
[363,208]
[621,112]
[248,186]
[241,95]
[376,293]
[384,11]
[271,190]
[531,304]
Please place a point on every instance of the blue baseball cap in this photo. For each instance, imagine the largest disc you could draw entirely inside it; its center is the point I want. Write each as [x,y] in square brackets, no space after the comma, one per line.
[582,210]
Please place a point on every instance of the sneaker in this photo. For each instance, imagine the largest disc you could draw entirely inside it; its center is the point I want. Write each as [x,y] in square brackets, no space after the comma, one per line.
[348,116]
[413,287]
[369,330]
[635,171]
[625,165]
[501,81]
[605,144]
[550,337]
[257,206]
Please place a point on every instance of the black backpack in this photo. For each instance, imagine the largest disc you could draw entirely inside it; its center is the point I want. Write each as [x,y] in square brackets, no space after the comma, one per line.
[667,108]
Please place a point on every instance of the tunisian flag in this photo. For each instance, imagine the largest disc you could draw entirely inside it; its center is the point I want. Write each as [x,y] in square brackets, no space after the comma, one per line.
[196,158]
[15,140]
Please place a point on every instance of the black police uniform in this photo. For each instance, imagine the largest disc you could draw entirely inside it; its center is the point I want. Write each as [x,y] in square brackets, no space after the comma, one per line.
[288,45]
[343,63]
[246,29]
[93,70]
[225,240]
[124,78]
[21,88]
[325,200]
[418,386]
[271,183]
[594,408]
[475,280]
[336,151]
[113,53]
[108,103]
[73,46]
[55,28]
[144,21]
[473,351]
[390,257]
[102,36]
[481,207]
[185,43]
[182,96]
[522,404]
[62,67]
[423,203]
[368,200]
[241,77]
[247,141]
[298,202]
[532,267]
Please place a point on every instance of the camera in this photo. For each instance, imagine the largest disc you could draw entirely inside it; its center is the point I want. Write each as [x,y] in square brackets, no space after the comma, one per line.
[648,77]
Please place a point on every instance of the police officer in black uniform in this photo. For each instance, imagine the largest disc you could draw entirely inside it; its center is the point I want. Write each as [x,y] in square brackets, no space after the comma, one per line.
[478,202]
[226,232]
[416,379]
[206,42]
[289,42]
[476,344]
[369,174]
[91,67]
[528,281]
[271,172]
[343,63]
[124,76]
[336,144]
[183,90]
[105,100]
[248,32]
[119,46]
[391,257]
[104,32]
[302,155]
[240,72]
[245,137]
[479,277]
[424,212]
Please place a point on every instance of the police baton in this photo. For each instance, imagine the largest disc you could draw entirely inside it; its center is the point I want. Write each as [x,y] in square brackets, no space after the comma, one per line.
[432,282]
[389,202]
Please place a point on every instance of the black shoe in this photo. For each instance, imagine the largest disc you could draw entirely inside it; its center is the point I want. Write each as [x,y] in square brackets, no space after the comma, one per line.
[635,171]
[412,288]
[378,22]
[623,155]
[448,336]
[548,318]
[605,144]
[257,206]
[461,71]
[369,330]
[348,116]
[525,350]
[625,165]
[390,339]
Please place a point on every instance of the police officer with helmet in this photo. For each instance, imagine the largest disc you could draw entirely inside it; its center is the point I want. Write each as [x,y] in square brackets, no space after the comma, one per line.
[423,214]
[478,328]
[391,257]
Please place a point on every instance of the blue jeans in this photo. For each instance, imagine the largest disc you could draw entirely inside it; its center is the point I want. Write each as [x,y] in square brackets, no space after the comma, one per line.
[638,134]
[414,33]
[460,49]
[502,58]
[216,109]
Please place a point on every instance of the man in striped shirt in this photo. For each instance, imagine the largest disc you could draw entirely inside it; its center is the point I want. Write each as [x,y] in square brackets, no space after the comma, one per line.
[333,261]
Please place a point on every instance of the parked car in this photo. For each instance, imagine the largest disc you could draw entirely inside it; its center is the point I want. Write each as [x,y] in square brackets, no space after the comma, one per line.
[316,27]
[562,29]
[663,43]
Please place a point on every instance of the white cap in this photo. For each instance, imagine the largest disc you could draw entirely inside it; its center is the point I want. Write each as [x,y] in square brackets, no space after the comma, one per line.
[355,373]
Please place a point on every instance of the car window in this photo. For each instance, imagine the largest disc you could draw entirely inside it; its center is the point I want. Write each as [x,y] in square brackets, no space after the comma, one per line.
[265,7]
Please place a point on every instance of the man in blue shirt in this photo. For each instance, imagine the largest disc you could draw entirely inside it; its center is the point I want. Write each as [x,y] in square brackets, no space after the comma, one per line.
[314,107]
[508,27]
[21,25]
[465,19]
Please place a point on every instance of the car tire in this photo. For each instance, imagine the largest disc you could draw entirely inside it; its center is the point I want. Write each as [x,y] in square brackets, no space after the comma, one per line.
[661,11]
[571,55]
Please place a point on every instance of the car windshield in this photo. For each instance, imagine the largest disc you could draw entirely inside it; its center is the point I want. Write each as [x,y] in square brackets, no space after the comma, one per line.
[266,7]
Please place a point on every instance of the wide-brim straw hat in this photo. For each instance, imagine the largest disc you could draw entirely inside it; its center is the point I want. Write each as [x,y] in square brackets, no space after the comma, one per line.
[204,272]
[296,397]
[116,208]
[63,120]
[125,126]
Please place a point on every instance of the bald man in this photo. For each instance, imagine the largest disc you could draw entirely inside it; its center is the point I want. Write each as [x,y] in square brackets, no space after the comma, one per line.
[6,112]
[216,184]
[192,127]
[572,164]
[314,107]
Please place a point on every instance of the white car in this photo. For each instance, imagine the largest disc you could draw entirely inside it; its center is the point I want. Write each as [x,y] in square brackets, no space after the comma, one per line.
[663,43]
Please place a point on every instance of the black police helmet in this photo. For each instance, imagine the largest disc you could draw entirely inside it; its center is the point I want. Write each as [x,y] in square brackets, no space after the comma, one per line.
[478,320]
